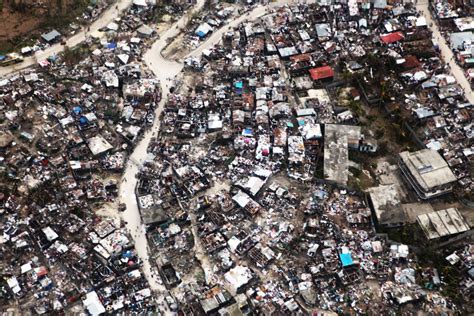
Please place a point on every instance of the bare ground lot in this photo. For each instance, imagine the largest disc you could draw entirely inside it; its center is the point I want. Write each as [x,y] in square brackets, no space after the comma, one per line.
[28,18]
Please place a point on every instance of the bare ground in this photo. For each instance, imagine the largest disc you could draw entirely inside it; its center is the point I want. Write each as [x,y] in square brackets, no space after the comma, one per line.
[28,18]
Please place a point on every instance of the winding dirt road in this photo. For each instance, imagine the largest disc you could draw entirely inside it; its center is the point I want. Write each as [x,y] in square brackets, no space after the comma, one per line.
[164,70]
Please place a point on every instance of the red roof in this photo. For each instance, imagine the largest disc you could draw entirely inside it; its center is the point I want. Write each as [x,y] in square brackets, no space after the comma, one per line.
[321,73]
[301,57]
[40,271]
[392,37]
[411,62]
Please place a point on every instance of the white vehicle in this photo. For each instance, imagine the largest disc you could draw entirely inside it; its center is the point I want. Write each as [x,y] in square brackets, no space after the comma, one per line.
[171,303]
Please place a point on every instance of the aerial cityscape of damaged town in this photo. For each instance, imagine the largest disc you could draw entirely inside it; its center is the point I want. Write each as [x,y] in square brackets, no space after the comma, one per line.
[208,157]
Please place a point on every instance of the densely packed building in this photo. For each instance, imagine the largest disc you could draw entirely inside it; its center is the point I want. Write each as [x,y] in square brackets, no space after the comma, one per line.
[284,154]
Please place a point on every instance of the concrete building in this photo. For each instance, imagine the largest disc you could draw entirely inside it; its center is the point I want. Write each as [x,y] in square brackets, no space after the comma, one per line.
[442,224]
[338,139]
[51,36]
[427,172]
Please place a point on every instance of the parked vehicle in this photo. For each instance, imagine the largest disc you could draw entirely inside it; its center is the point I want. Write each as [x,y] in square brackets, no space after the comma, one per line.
[10,59]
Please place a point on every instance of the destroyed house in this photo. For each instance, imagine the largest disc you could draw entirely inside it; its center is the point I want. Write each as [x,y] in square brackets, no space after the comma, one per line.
[169,275]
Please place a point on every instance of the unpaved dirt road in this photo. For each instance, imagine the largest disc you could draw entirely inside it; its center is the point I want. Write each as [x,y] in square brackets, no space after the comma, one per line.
[165,71]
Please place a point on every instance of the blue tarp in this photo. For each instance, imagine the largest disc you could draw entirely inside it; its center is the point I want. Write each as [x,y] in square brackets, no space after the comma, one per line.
[201,34]
[239,84]
[301,122]
[77,110]
[346,259]
[2,57]
[52,58]
[83,120]
[112,45]
[247,132]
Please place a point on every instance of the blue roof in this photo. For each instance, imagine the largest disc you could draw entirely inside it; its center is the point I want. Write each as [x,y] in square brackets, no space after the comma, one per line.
[239,84]
[2,57]
[301,122]
[247,131]
[111,45]
[346,259]
[83,120]
[77,109]
[200,34]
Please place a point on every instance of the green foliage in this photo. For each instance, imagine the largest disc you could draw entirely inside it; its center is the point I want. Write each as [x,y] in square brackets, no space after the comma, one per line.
[158,13]
[357,157]
[63,17]
[73,56]
[356,107]
[356,172]
[406,234]
[379,133]
[371,118]
[347,75]
[199,277]
[229,160]
[112,114]
[450,275]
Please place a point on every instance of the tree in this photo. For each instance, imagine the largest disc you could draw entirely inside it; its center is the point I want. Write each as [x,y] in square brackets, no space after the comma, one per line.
[347,75]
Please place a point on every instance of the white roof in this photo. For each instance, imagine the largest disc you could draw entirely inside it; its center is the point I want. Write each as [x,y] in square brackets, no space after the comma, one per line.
[13,284]
[204,28]
[214,124]
[453,258]
[311,131]
[123,58]
[140,3]
[233,243]
[145,30]
[241,198]
[238,276]
[98,145]
[112,26]
[93,304]
[50,233]
[253,185]
[421,21]
[306,112]
[4,82]
[26,267]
